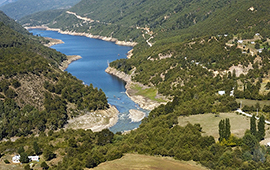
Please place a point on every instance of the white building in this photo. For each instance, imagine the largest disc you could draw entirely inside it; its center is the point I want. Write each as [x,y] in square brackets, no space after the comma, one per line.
[16,159]
[33,158]
[240,41]
[221,93]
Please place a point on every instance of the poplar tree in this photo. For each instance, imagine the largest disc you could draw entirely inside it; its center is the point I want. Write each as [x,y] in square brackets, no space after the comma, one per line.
[221,130]
[224,129]
[227,128]
[261,128]
[253,129]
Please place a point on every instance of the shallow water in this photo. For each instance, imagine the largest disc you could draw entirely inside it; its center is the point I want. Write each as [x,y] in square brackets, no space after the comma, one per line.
[91,69]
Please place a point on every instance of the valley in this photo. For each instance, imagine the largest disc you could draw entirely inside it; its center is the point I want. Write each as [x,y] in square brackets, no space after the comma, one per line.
[193,64]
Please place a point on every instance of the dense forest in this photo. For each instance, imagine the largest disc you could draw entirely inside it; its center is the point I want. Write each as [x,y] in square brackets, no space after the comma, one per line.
[193,52]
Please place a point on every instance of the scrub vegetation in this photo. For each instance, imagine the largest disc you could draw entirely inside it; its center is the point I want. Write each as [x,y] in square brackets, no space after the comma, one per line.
[202,54]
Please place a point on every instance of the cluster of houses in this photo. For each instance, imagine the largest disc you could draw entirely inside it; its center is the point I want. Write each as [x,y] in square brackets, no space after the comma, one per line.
[16,158]
[221,93]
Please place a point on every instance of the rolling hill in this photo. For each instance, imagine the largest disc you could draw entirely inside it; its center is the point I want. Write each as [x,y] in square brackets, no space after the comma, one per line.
[188,50]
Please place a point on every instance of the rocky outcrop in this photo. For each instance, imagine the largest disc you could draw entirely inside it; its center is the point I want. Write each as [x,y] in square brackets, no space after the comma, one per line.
[143,101]
[119,74]
[136,115]
[96,121]
[69,60]
[53,42]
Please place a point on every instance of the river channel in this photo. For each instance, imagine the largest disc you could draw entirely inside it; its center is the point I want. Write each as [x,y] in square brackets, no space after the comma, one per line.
[91,69]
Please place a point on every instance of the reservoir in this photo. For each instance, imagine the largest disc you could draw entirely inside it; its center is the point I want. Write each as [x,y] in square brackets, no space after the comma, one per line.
[91,69]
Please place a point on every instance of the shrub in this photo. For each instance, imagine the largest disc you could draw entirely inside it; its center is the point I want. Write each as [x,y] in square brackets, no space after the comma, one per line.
[6,161]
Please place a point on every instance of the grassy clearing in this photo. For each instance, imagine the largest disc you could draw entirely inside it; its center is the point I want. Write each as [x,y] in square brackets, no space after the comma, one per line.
[143,162]
[249,102]
[150,92]
[209,123]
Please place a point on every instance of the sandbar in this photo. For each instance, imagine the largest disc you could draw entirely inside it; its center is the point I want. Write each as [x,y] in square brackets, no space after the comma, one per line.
[136,115]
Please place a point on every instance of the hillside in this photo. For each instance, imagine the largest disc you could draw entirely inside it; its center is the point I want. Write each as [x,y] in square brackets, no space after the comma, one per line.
[20,8]
[190,51]
[174,20]
[10,22]
[4,2]
[35,95]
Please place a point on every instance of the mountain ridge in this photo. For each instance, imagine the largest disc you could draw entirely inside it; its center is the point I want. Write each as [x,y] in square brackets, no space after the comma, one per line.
[21,8]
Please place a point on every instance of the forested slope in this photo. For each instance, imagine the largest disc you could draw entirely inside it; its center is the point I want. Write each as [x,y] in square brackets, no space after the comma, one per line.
[176,20]
[192,56]
[34,92]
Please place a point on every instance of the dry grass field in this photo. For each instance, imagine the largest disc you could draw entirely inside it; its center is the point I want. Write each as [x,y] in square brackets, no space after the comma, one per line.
[144,162]
[209,123]
[249,102]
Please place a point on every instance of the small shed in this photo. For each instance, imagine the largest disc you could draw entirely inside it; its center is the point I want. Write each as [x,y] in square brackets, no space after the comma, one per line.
[240,41]
[33,158]
[221,93]
[16,159]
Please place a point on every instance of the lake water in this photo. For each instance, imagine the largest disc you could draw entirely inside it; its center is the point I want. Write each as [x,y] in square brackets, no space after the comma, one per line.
[91,69]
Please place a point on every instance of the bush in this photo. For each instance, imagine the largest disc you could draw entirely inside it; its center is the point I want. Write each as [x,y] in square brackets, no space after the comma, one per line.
[24,158]
[44,165]
[6,161]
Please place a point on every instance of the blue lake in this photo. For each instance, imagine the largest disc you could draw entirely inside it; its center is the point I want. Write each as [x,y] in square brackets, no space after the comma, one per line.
[91,69]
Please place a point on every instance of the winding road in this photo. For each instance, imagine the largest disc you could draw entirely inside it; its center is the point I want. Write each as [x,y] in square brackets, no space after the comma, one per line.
[249,115]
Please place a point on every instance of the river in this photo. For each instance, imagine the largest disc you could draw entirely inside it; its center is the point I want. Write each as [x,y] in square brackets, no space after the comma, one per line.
[91,69]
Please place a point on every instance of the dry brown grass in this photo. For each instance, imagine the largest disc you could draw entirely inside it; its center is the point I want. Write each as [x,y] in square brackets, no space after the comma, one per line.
[143,162]
[209,123]
[11,166]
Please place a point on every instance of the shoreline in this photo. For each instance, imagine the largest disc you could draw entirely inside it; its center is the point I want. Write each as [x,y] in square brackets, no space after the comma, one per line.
[64,65]
[96,121]
[136,115]
[53,41]
[109,39]
[143,102]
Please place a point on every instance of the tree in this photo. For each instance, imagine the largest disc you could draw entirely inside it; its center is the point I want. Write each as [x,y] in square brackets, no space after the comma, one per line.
[44,165]
[253,129]
[261,128]
[27,167]
[90,162]
[257,46]
[250,141]
[257,106]
[48,154]
[266,108]
[267,87]
[21,150]
[221,130]
[224,129]
[24,158]
[72,142]
[105,136]
[227,128]
[36,148]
